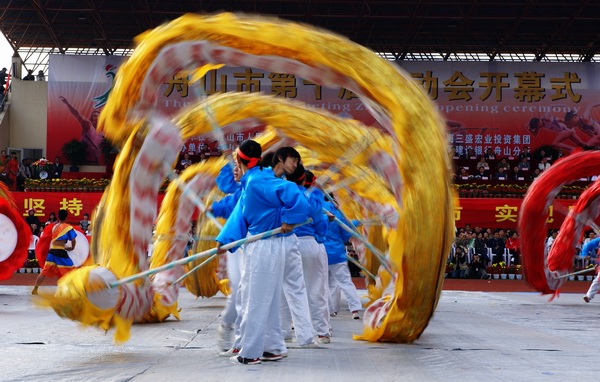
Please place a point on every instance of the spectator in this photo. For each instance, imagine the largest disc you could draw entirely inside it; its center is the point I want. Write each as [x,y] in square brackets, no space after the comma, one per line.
[551,239]
[591,236]
[24,174]
[483,163]
[464,174]
[85,223]
[51,218]
[12,170]
[489,154]
[31,219]
[462,240]
[476,269]
[57,168]
[535,174]
[504,164]
[497,246]
[482,174]
[480,247]
[470,154]
[500,174]
[186,162]
[29,76]
[40,76]
[459,259]
[525,154]
[524,164]
[514,246]
[544,165]
[516,174]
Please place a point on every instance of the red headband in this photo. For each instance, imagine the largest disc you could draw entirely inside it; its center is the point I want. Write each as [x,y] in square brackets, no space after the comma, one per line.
[251,161]
[301,178]
[311,183]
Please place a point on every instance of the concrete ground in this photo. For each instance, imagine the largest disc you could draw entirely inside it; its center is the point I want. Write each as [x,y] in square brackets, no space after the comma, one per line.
[473,336]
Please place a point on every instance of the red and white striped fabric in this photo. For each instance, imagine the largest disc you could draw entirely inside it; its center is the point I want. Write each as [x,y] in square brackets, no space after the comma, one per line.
[163,282]
[159,150]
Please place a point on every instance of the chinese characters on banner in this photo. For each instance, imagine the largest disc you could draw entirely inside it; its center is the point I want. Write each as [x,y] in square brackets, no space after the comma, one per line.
[75,203]
[489,213]
[503,213]
[506,106]
[486,104]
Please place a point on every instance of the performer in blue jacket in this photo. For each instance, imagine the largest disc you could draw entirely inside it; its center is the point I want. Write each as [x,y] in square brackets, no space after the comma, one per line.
[266,203]
[339,274]
[590,249]
[314,263]
[228,182]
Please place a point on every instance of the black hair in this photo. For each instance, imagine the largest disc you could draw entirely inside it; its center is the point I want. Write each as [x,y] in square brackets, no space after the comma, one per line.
[283,153]
[268,158]
[570,115]
[310,177]
[298,176]
[533,123]
[62,215]
[250,149]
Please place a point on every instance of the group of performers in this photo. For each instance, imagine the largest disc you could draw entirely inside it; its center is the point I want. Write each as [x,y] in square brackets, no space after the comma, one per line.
[283,278]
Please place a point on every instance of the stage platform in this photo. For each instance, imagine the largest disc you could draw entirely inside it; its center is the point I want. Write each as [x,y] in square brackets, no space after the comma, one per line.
[473,336]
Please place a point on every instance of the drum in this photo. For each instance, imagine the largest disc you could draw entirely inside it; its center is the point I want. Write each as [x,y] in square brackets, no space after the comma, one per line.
[82,249]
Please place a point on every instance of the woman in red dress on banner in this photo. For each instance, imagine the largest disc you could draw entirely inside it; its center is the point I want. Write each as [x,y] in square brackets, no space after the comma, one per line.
[58,263]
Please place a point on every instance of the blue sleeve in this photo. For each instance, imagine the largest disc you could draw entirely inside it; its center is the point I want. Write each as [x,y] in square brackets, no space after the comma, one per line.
[72,234]
[225,181]
[295,205]
[224,207]
[235,228]
[319,219]
[591,246]
[345,235]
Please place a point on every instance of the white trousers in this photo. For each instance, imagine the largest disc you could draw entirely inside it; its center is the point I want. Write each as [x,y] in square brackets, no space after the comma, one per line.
[339,279]
[594,288]
[295,306]
[260,295]
[234,273]
[314,267]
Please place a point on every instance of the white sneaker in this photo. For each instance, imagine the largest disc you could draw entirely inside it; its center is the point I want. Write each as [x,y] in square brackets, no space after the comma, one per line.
[323,339]
[224,337]
[229,353]
[355,315]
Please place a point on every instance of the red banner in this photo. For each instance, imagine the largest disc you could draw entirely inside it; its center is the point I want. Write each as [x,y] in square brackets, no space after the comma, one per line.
[488,213]
[503,213]
[76,203]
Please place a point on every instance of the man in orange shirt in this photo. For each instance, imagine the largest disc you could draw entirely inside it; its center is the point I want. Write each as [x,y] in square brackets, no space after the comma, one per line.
[12,169]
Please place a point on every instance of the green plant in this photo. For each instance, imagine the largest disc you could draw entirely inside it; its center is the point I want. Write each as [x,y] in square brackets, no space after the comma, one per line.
[75,152]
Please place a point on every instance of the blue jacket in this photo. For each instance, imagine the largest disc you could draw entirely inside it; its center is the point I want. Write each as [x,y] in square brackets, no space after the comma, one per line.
[224,207]
[225,180]
[336,237]
[265,203]
[590,248]
[318,227]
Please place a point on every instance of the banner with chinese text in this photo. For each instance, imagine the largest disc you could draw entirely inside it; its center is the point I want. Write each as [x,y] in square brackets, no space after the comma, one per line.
[75,203]
[503,213]
[506,106]
[498,105]
[79,87]
[488,213]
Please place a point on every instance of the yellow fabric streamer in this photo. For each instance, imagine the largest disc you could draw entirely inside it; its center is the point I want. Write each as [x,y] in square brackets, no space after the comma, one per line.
[416,142]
